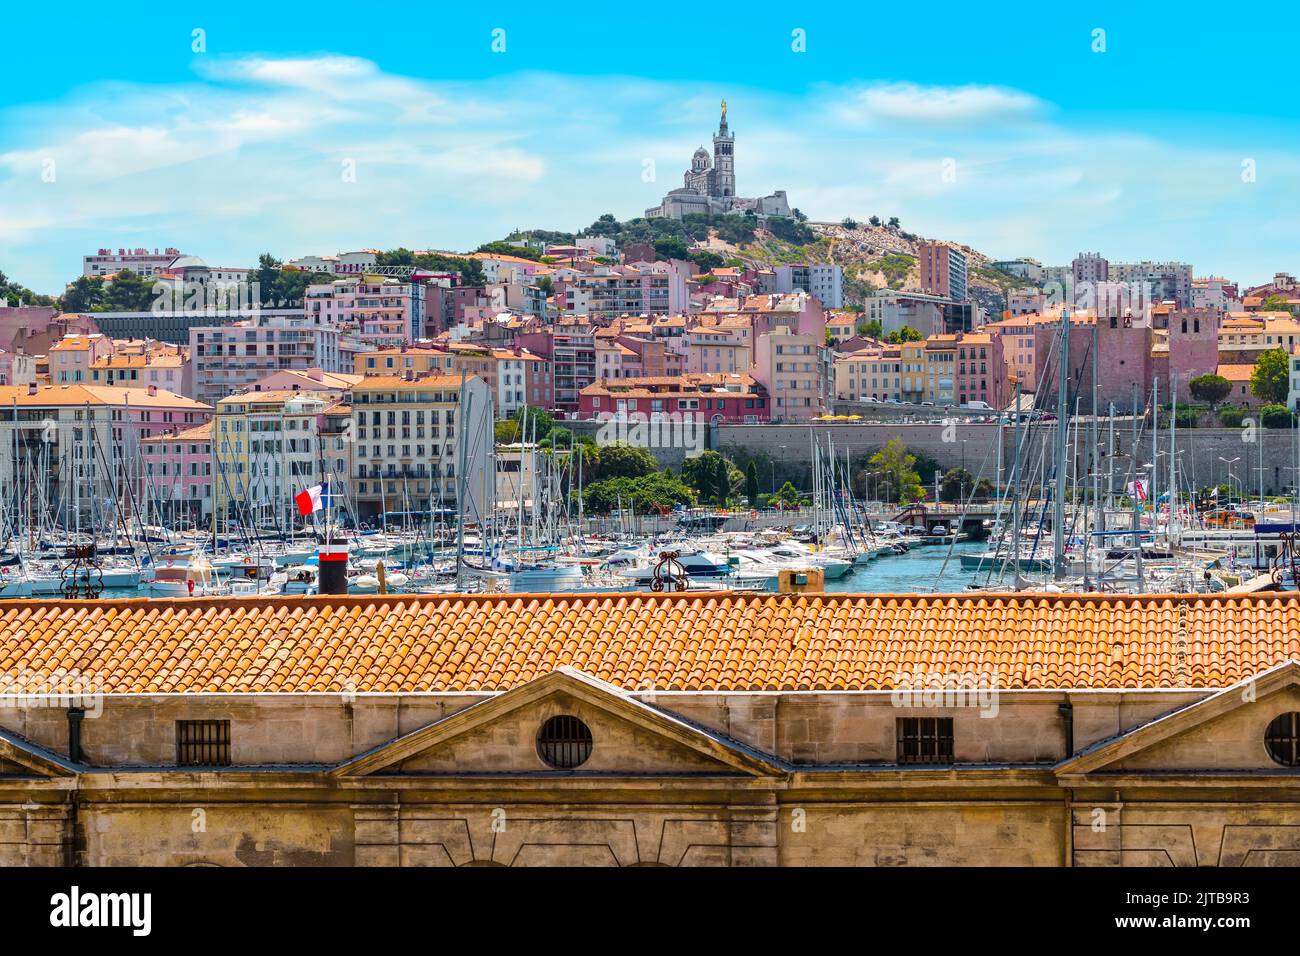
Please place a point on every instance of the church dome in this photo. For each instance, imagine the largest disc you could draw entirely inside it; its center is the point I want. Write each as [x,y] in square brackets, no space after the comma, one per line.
[701,159]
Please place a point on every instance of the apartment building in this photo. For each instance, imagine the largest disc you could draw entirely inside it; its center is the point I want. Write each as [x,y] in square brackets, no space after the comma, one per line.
[894,311]
[141,261]
[792,367]
[872,373]
[381,313]
[571,352]
[266,448]
[178,473]
[516,376]
[719,348]
[943,270]
[711,398]
[610,291]
[228,358]
[406,443]
[71,357]
[164,368]
[941,369]
[826,281]
[88,439]
[981,372]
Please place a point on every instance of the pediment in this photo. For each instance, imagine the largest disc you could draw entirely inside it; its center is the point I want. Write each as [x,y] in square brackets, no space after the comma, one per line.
[1223,732]
[20,757]
[499,736]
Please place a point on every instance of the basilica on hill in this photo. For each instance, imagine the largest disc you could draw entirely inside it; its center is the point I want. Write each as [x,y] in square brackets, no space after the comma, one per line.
[710,185]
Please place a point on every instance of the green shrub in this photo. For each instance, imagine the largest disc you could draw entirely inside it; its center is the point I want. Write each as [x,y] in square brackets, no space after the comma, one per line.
[1276,416]
[1231,417]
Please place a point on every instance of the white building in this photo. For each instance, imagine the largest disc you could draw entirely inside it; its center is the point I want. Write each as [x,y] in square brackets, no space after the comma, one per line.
[825,281]
[228,358]
[138,260]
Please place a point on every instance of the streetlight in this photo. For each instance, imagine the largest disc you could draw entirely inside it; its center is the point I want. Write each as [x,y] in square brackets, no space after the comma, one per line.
[1230,462]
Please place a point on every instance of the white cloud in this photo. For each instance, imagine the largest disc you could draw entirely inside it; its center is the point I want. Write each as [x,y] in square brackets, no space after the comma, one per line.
[946,105]
[248,158]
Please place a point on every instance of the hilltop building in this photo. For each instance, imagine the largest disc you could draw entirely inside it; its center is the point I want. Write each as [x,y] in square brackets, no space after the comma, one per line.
[710,185]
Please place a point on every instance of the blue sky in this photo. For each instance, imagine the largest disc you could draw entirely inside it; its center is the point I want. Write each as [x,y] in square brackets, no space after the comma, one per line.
[1136,152]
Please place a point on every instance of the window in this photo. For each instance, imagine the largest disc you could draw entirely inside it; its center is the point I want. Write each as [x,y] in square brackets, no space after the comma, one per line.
[924,740]
[564,742]
[203,743]
[1282,738]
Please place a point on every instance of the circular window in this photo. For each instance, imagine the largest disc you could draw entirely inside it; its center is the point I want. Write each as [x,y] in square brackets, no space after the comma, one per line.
[564,742]
[1283,739]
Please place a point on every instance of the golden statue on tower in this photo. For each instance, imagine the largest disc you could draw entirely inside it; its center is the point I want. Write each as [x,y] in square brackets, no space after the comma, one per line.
[724,109]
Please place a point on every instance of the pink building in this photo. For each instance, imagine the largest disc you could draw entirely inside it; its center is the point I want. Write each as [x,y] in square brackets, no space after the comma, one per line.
[178,471]
[981,374]
[1123,356]
[713,399]
[72,356]
[385,314]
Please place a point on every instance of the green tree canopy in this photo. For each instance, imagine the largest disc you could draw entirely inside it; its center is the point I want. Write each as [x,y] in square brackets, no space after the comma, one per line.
[128,292]
[895,473]
[701,473]
[1210,388]
[905,334]
[644,494]
[1270,379]
[751,482]
[625,461]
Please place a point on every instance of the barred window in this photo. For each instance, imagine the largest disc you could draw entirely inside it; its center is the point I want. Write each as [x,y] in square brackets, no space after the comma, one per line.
[203,743]
[564,742]
[1283,739]
[925,740]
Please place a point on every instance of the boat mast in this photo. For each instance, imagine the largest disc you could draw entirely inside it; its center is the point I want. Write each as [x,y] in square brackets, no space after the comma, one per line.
[1062,437]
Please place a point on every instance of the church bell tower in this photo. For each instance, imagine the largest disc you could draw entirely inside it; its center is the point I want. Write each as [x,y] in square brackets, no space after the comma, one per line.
[724,161]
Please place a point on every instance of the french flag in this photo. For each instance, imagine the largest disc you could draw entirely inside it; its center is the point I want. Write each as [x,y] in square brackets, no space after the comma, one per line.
[312,500]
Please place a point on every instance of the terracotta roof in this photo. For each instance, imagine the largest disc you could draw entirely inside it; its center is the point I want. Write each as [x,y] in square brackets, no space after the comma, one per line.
[460,643]
[95,395]
[199,433]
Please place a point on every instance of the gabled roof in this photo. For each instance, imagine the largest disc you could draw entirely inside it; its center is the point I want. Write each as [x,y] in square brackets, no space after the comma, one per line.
[730,755]
[725,642]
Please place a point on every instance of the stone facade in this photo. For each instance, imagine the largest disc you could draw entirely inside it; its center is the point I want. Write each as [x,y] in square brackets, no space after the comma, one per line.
[1038,778]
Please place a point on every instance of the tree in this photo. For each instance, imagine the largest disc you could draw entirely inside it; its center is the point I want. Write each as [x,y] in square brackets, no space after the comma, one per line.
[625,461]
[905,334]
[12,293]
[707,261]
[751,483]
[893,222]
[875,221]
[506,432]
[84,295]
[722,480]
[895,471]
[1275,303]
[671,249]
[540,421]
[849,223]
[788,495]
[701,473]
[502,248]
[872,329]
[1231,417]
[128,292]
[645,494]
[1210,388]
[1270,379]
[958,484]
[544,283]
